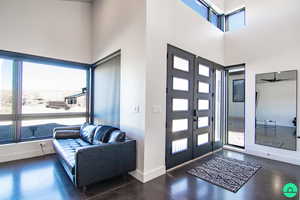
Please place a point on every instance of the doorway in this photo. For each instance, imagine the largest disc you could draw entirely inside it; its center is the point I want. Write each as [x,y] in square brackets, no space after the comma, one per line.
[235,92]
[194,107]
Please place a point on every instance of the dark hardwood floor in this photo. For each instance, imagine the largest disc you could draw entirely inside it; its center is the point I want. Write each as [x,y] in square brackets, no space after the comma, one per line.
[43,178]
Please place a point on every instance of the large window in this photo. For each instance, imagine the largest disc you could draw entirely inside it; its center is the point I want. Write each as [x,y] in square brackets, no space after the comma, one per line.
[52,89]
[37,97]
[235,20]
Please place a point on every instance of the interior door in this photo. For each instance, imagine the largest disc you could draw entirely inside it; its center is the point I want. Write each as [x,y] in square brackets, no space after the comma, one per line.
[192,107]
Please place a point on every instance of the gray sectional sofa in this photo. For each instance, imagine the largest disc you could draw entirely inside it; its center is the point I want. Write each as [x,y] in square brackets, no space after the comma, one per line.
[91,153]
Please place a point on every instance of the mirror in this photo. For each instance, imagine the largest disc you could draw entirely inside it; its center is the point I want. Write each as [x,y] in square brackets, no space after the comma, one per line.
[276,110]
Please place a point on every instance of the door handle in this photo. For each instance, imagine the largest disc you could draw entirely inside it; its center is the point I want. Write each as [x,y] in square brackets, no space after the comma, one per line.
[195,115]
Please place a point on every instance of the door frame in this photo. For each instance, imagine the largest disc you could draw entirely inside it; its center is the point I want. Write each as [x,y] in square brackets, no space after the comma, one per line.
[227,68]
[193,150]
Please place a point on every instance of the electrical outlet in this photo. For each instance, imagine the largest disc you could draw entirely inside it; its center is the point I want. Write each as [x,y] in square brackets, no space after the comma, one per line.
[43,147]
[43,144]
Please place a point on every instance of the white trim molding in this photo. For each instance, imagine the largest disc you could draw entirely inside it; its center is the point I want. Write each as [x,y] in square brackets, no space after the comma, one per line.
[149,175]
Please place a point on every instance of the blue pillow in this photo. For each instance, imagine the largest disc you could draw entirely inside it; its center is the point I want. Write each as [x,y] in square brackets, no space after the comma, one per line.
[87,132]
[102,134]
[117,136]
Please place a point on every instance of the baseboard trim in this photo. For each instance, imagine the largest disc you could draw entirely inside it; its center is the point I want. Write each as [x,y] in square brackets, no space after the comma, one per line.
[25,150]
[149,175]
[271,156]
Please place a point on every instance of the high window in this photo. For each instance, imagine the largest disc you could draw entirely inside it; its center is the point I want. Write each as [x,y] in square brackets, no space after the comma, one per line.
[36,97]
[235,20]
[206,11]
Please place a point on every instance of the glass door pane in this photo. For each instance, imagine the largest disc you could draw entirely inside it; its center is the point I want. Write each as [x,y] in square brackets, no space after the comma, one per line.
[218,106]
[7,132]
[236,106]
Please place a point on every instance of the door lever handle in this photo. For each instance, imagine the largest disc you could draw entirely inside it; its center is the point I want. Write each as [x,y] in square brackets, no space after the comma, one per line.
[195,115]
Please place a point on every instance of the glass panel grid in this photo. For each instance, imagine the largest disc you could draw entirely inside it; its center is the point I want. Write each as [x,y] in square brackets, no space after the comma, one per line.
[180,84]
[181,64]
[179,125]
[179,145]
[202,122]
[180,105]
[203,104]
[202,139]
[203,70]
[203,87]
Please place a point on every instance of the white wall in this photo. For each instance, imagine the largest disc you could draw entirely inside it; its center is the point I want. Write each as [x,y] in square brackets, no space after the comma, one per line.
[269,43]
[175,23]
[236,109]
[50,28]
[277,102]
[121,25]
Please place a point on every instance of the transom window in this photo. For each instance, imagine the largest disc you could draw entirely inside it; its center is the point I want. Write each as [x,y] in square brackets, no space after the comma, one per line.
[235,20]
[206,11]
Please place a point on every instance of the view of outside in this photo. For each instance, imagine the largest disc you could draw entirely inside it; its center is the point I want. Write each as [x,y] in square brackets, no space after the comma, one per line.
[51,89]
[44,127]
[6,85]
[6,76]
[46,89]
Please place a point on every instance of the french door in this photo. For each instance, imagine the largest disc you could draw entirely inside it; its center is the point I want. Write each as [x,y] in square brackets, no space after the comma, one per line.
[194,100]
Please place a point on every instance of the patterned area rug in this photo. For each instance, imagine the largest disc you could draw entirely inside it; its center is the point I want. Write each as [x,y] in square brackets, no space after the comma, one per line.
[228,173]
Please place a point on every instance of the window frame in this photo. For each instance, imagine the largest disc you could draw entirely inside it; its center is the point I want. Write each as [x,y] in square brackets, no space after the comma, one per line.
[233,13]
[207,7]
[211,10]
[17,116]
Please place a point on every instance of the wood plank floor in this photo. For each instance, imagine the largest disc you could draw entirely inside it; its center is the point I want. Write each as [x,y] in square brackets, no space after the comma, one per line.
[43,178]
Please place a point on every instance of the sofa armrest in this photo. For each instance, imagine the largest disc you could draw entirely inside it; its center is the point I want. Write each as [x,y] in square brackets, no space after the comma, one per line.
[66,134]
[100,162]
[67,128]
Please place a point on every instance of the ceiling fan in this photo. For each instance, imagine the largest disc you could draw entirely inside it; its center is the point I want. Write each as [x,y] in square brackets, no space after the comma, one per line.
[275,79]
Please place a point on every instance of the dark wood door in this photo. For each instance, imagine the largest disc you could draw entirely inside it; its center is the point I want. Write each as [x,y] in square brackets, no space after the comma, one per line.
[190,107]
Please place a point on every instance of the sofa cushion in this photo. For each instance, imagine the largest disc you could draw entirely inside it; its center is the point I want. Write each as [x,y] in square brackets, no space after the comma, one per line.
[87,132]
[102,134]
[117,136]
[66,149]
